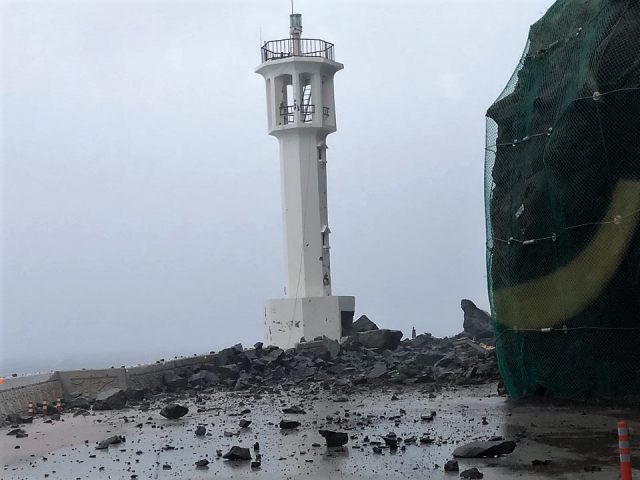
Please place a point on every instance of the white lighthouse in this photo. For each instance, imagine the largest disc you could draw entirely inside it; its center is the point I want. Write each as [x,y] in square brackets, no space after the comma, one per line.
[301,114]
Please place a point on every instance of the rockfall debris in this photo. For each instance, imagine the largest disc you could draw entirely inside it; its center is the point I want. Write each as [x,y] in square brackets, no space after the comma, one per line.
[377,356]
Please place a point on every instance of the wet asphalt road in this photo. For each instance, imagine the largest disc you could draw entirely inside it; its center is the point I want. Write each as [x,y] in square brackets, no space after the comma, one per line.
[569,437]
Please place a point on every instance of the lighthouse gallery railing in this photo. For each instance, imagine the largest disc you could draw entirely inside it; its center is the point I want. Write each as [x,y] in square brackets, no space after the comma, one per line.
[300,47]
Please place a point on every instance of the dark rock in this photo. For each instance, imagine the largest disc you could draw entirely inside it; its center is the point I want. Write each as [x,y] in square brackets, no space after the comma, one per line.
[112,399]
[201,431]
[484,449]
[204,378]
[379,340]
[114,440]
[243,382]
[245,423]
[255,465]
[16,431]
[477,323]
[379,370]
[80,402]
[451,466]
[289,424]
[334,439]
[592,468]
[295,409]
[363,324]
[540,463]
[471,473]
[428,359]
[325,347]
[390,441]
[202,463]
[449,360]
[134,395]
[174,411]
[226,357]
[237,453]
[228,372]
[422,340]
[258,345]
[174,382]
[166,466]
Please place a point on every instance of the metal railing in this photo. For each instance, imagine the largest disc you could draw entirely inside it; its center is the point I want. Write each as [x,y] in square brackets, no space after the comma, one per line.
[306,113]
[288,113]
[300,47]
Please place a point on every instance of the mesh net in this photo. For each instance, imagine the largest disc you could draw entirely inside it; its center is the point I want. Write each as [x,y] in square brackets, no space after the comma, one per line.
[562,183]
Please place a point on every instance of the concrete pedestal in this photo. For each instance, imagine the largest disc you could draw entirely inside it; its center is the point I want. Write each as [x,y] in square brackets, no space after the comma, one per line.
[288,320]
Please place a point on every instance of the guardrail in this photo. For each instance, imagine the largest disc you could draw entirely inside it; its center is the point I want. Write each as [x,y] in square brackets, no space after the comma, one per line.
[297,47]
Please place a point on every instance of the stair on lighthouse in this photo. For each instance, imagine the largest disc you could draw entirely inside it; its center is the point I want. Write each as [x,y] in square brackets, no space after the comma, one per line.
[307,108]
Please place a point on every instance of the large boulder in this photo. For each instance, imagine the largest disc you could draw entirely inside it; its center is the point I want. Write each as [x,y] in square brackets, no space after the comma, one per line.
[136,394]
[363,324]
[80,402]
[326,347]
[174,382]
[379,340]
[477,323]
[203,378]
[484,449]
[112,399]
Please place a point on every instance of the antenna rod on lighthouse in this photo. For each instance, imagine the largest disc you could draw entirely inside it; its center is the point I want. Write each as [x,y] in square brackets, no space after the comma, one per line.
[295,30]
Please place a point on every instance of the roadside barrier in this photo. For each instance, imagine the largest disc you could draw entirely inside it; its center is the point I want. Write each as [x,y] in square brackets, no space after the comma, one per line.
[625,454]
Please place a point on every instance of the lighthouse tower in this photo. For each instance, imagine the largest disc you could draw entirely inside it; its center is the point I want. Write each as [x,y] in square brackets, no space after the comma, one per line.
[301,114]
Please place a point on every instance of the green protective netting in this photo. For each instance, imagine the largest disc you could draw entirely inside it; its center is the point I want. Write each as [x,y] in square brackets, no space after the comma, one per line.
[562,185]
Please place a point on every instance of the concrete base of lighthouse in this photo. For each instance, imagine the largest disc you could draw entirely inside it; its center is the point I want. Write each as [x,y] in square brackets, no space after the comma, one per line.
[288,320]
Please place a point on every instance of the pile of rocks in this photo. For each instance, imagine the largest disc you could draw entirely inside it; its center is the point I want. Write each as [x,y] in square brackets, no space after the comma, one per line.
[374,357]
[369,356]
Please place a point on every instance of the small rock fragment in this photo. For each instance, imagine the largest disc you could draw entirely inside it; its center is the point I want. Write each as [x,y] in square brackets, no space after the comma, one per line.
[289,424]
[237,453]
[471,473]
[174,411]
[334,439]
[451,466]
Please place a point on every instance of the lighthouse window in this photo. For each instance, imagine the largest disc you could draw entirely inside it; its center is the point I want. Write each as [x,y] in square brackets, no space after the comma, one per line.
[319,153]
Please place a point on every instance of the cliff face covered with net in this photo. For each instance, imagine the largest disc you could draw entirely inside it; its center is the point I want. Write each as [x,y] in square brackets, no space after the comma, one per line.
[562,179]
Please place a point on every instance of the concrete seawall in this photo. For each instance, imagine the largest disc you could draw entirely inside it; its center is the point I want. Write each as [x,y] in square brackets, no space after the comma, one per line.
[15,393]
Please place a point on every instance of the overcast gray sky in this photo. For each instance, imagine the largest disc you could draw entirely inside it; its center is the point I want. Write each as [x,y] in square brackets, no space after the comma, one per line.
[141,196]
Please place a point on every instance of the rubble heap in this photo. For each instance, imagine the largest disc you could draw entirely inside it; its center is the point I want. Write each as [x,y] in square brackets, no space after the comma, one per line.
[375,357]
